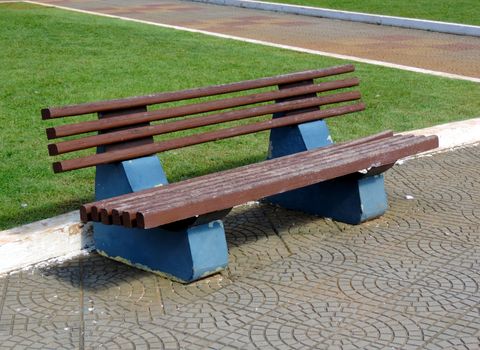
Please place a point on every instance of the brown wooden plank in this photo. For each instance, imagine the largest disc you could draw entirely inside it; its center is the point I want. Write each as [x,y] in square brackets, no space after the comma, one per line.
[143,200]
[84,108]
[85,210]
[124,202]
[212,186]
[199,205]
[195,108]
[135,152]
[146,131]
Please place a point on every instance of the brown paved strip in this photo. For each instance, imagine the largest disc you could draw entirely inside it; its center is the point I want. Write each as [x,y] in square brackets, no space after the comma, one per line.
[427,50]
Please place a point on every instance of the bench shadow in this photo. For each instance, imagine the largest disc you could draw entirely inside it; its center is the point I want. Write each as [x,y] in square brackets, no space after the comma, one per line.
[248,234]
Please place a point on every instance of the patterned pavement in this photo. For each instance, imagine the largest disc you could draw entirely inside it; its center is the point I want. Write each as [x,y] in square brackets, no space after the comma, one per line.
[408,280]
[447,53]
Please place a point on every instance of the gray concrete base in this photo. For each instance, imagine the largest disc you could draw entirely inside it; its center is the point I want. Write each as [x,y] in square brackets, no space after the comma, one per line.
[412,23]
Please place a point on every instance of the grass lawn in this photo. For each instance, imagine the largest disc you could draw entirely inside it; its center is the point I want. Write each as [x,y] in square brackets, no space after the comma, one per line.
[52,57]
[458,11]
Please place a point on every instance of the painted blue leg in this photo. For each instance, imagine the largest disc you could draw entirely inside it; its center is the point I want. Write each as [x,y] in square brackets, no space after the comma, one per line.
[185,255]
[351,199]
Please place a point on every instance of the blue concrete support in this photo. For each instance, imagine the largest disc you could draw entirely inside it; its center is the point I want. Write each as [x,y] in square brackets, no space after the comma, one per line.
[184,255]
[352,199]
[182,252]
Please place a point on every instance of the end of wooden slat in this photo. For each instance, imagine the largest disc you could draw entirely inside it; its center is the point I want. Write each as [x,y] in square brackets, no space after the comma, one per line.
[140,220]
[116,217]
[104,217]
[57,167]
[435,140]
[95,215]
[52,149]
[387,133]
[356,95]
[84,215]
[46,114]
[347,68]
[51,133]
[430,142]
[128,221]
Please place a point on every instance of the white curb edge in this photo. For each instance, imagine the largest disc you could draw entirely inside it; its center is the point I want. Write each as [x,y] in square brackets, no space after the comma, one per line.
[43,240]
[411,23]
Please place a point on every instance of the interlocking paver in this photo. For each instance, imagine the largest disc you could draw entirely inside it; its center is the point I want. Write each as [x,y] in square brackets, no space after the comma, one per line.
[409,279]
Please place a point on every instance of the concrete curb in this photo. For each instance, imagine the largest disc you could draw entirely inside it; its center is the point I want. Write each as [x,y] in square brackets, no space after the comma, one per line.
[64,235]
[411,23]
[454,134]
[43,240]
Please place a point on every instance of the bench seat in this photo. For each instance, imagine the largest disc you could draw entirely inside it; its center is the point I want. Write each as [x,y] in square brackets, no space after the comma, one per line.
[225,189]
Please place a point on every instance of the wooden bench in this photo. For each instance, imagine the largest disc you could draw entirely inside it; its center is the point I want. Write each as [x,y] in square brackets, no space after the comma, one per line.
[175,229]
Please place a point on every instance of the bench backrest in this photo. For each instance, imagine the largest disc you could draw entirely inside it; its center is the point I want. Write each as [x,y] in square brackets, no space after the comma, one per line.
[125,130]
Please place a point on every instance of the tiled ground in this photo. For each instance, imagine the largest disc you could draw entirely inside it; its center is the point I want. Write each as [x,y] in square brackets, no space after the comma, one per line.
[408,280]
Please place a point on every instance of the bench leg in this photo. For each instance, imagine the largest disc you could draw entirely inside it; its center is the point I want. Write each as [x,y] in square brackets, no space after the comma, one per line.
[351,199]
[298,138]
[184,255]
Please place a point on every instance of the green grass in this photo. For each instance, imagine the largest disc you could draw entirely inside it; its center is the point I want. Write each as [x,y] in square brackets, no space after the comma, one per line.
[458,11]
[53,57]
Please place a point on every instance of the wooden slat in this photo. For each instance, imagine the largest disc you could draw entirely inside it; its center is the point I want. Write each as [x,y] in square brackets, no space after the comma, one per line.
[169,198]
[195,108]
[141,132]
[124,201]
[237,194]
[135,152]
[56,112]
[214,187]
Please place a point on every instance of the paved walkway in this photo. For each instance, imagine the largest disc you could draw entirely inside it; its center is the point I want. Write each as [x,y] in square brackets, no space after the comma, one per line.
[408,280]
[427,50]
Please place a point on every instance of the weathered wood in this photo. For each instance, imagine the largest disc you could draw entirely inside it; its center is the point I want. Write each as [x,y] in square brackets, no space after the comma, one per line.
[124,201]
[85,108]
[196,108]
[135,152]
[278,184]
[176,201]
[141,132]
[253,173]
